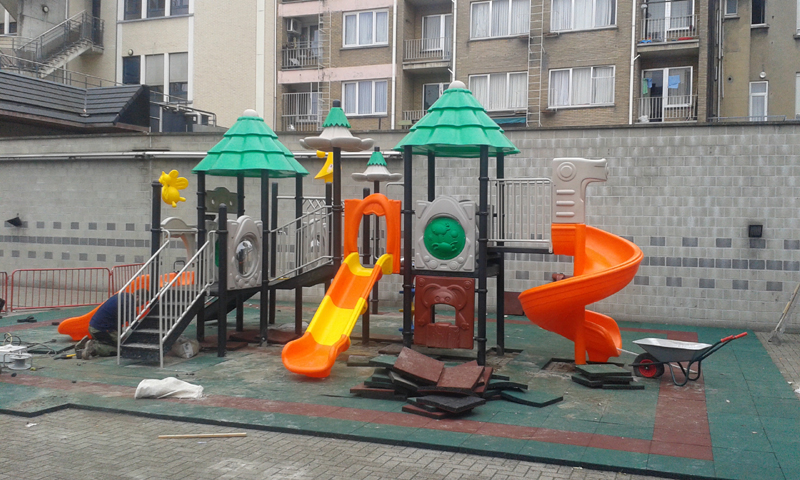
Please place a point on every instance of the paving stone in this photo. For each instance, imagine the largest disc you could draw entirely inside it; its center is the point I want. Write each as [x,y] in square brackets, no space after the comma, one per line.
[463,378]
[633,386]
[484,381]
[434,413]
[598,370]
[402,382]
[582,380]
[505,385]
[419,367]
[531,398]
[386,361]
[452,404]
[376,393]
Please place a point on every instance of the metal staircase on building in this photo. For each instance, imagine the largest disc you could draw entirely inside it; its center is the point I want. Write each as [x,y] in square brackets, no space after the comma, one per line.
[323,84]
[60,44]
[535,54]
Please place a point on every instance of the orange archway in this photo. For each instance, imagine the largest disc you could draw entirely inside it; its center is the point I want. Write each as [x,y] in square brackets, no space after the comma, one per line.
[375,204]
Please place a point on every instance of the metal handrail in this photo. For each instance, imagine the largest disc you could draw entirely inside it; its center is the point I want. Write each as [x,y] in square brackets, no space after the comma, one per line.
[302,111]
[303,243]
[61,75]
[522,211]
[754,118]
[670,28]
[673,108]
[429,49]
[194,279]
[301,55]
[79,28]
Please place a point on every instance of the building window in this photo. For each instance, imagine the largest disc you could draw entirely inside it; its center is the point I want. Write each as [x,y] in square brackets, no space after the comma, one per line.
[501,91]
[437,32]
[156,8]
[366,28]
[179,7]
[577,87]
[154,76]
[178,77]
[759,12]
[731,7]
[131,70]
[430,93]
[368,97]
[797,96]
[582,14]
[500,18]
[667,94]
[758,101]
[133,9]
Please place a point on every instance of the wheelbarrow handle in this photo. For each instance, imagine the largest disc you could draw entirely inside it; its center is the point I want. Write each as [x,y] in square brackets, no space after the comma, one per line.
[733,337]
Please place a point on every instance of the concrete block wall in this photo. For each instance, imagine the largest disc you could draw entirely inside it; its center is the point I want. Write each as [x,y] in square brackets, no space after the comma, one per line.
[684,194]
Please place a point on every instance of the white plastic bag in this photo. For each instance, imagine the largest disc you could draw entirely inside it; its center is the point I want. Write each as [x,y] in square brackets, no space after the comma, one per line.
[185,347]
[169,387]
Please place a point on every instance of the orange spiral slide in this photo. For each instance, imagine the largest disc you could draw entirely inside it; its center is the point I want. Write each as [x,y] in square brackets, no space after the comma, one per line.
[604,264]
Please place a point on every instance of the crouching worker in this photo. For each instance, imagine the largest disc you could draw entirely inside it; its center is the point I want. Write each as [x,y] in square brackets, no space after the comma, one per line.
[103,327]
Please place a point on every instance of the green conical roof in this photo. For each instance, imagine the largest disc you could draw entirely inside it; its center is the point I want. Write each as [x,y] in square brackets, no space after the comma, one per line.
[336,118]
[377,159]
[456,126]
[248,148]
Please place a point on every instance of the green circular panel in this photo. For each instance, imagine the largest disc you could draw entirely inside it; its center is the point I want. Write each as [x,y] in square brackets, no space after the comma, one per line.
[444,238]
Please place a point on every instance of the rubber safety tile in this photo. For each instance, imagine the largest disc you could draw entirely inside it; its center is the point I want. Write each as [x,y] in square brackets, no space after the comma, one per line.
[680,466]
[623,460]
[739,464]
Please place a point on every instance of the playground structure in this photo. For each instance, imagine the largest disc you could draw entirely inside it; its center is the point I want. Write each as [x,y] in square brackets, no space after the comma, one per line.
[459,245]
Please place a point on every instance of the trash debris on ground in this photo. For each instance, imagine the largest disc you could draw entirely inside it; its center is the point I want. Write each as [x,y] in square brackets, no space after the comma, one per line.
[435,390]
[169,387]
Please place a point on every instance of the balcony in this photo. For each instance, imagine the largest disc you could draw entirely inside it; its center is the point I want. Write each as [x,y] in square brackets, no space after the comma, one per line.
[411,117]
[301,55]
[672,35]
[677,108]
[427,53]
[301,112]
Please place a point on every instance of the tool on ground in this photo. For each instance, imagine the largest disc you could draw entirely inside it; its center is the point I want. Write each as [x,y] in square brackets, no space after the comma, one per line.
[777,333]
[660,352]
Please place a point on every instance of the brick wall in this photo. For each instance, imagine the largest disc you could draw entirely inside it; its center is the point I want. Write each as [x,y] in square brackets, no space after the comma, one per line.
[684,194]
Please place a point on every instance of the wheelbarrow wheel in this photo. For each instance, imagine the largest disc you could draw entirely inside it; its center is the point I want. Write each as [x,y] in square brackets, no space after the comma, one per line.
[648,366]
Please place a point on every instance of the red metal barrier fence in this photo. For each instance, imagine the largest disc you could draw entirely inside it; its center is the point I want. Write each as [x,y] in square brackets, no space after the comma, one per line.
[4,291]
[120,274]
[58,287]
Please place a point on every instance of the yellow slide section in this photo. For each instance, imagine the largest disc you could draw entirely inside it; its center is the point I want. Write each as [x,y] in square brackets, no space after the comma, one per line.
[328,334]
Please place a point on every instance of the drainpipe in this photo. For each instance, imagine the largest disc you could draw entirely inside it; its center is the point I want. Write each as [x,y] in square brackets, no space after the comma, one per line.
[394,63]
[453,53]
[633,60]
[261,37]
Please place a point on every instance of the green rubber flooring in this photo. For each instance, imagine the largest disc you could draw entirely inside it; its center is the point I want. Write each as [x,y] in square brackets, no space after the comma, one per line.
[741,420]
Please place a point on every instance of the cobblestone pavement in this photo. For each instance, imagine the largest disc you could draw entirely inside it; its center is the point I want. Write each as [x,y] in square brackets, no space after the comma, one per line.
[786,356]
[79,444]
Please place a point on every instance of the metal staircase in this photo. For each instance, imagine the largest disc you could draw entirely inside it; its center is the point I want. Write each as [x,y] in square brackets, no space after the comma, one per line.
[59,45]
[535,54]
[323,84]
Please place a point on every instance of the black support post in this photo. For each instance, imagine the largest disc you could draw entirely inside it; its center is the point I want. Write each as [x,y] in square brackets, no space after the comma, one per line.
[298,292]
[501,271]
[222,295]
[365,254]
[376,249]
[408,277]
[201,240]
[265,249]
[155,236]
[337,207]
[329,203]
[483,230]
[274,251]
[239,213]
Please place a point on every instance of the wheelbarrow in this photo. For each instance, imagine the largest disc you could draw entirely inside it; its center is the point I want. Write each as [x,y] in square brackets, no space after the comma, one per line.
[660,352]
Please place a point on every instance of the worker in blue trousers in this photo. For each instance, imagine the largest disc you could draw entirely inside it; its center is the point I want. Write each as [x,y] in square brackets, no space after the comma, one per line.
[103,328]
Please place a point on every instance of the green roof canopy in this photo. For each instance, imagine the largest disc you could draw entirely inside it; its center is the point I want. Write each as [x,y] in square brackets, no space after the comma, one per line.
[336,118]
[248,148]
[377,159]
[456,126]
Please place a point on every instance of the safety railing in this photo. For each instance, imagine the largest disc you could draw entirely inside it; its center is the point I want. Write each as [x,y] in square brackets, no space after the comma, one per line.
[427,49]
[58,287]
[522,209]
[80,28]
[413,115]
[668,29]
[121,274]
[3,291]
[302,243]
[301,55]
[184,289]
[673,108]
[301,112]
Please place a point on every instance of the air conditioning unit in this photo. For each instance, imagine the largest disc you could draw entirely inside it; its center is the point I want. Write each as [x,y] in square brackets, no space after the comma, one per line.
[292,26]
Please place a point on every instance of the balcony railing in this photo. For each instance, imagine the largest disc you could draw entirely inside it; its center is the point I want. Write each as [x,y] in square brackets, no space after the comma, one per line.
[301,55]
[73,31]
[677,108]
[668,29]
[301,112]
[413,115]
[427,49]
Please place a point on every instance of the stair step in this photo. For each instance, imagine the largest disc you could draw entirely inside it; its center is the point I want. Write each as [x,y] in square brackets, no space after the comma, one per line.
[140,346]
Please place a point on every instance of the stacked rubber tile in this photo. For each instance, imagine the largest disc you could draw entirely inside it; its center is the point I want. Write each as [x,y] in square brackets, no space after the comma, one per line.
[605,375]
[437,391]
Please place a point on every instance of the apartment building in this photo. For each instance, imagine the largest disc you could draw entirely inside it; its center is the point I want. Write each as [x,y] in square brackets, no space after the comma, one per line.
[531,63]
[201,58]
[760,65]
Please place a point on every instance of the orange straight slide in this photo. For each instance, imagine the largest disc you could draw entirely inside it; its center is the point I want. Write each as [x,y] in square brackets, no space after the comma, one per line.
[328,334]
[604,264]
